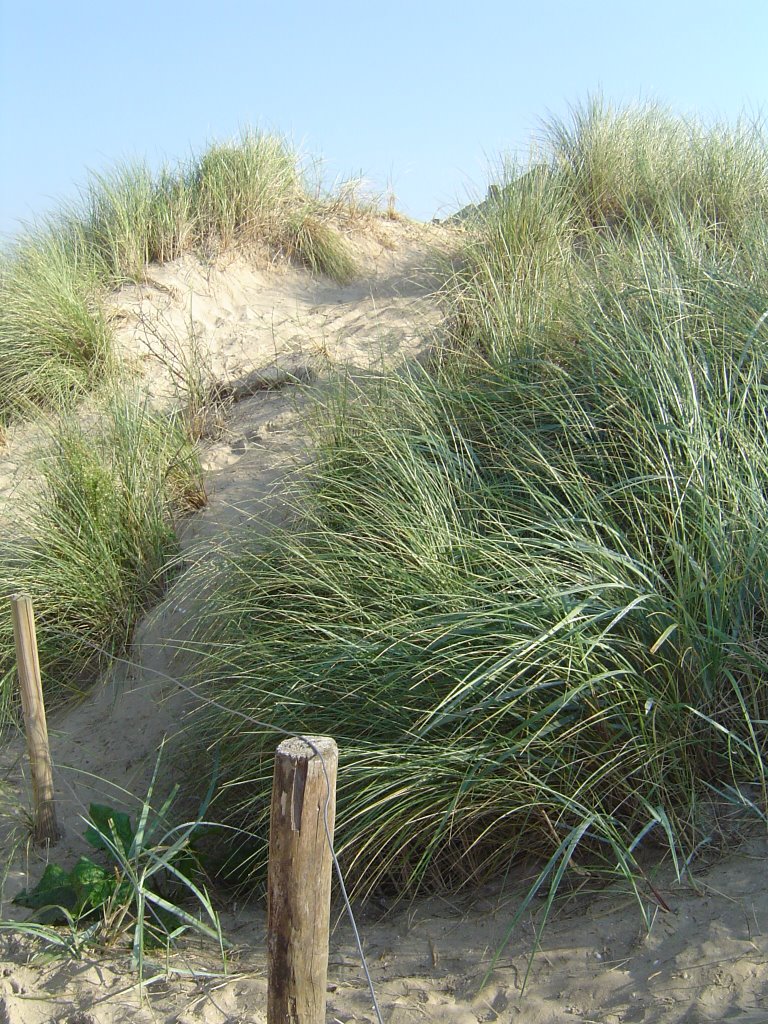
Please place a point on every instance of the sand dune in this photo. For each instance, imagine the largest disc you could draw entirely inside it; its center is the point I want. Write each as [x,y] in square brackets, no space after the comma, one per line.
[703,959]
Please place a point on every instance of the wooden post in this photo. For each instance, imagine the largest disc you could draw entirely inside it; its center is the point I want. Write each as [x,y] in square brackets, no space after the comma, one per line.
[45,829]
[299,883]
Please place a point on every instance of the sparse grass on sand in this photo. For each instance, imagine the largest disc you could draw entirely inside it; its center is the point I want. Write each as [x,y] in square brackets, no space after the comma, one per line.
[526,593]
[54,330]
[93,547]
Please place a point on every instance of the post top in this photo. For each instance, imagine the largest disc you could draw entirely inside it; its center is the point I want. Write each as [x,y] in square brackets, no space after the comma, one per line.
[296,746]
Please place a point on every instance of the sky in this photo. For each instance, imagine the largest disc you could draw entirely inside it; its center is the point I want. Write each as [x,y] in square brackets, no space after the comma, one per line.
[418,97]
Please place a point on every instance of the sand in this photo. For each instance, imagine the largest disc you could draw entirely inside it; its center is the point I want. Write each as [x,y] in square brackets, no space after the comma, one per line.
[602,957]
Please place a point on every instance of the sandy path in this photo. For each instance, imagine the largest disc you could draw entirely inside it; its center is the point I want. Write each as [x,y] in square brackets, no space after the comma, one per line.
[705,960]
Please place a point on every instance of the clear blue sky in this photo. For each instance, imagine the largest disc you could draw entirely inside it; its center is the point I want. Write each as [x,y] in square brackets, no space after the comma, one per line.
[420,94]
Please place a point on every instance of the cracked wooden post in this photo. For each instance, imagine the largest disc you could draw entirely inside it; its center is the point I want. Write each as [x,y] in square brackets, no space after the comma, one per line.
[45,828]
[299,882]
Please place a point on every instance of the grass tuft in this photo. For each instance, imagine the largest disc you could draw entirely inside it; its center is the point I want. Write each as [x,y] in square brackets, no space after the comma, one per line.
[93,548]
[130,218]
[54,334]
[244,191]
[320,247]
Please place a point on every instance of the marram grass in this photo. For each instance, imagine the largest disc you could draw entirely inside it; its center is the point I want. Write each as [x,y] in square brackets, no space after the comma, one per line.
[54,335]
[527,594]
[93,548]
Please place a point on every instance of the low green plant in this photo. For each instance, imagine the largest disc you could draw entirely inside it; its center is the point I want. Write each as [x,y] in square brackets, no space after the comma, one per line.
[642,160]
[243,191]
[150,871]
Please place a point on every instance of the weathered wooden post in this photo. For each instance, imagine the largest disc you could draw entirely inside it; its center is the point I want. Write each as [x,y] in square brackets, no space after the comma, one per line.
[45,829]
[299,882]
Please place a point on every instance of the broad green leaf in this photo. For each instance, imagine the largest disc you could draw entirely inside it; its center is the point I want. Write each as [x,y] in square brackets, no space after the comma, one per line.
[112,824]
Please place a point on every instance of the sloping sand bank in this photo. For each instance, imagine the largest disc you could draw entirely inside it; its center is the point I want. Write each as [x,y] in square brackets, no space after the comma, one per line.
[705,958]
